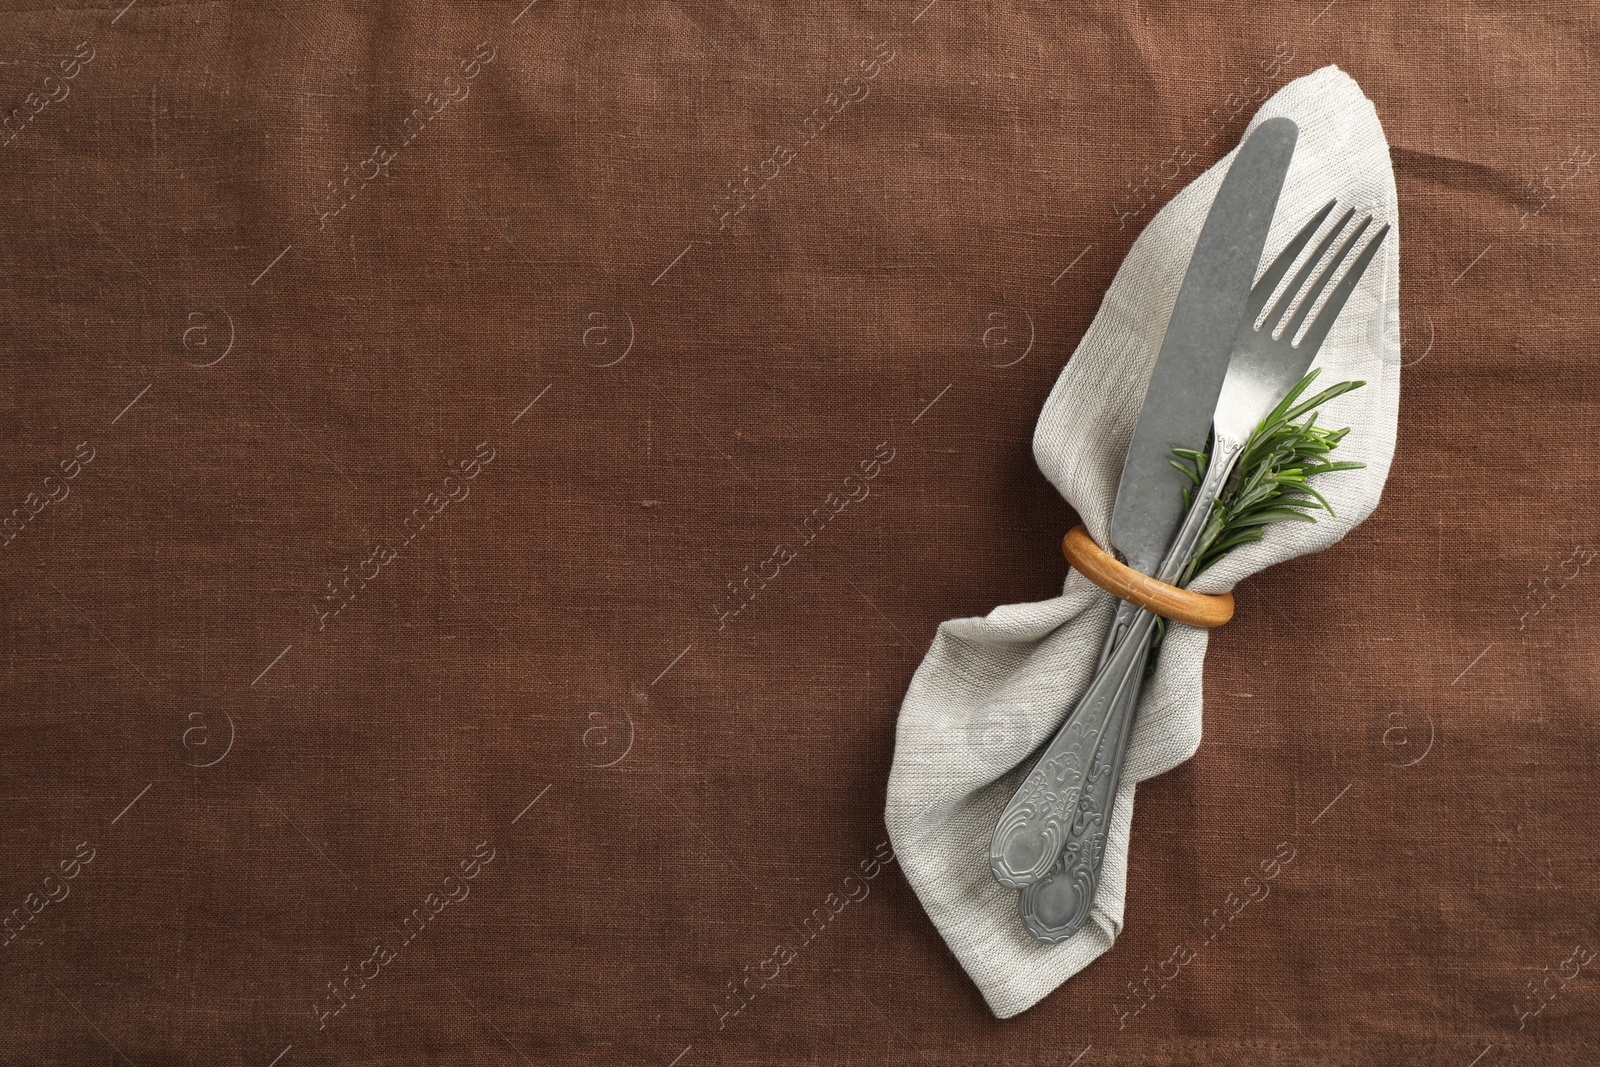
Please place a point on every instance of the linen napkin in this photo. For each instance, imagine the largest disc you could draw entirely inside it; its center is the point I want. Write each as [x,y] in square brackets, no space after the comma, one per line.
[992,689]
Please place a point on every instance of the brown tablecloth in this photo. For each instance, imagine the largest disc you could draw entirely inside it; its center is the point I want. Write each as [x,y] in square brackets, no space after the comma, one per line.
[402,408]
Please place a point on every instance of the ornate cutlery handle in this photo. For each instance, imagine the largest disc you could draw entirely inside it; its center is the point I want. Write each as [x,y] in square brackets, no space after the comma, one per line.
[1033,828]
[1057,905]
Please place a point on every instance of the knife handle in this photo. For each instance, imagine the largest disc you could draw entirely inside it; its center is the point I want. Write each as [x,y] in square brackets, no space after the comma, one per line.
[1033,827]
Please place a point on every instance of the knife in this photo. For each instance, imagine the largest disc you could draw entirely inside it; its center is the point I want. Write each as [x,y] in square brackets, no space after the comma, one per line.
[1188,374]
[1176,413]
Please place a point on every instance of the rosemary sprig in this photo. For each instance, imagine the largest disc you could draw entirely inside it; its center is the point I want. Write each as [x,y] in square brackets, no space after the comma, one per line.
[1269,484]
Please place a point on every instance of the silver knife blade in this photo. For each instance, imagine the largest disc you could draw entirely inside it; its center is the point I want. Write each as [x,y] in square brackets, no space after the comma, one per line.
[1183,389]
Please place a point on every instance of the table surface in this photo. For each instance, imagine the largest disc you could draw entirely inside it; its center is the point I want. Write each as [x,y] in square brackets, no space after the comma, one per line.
[398,401]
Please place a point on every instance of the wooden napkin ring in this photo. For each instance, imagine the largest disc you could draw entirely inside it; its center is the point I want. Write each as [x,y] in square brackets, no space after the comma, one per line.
[1125,583]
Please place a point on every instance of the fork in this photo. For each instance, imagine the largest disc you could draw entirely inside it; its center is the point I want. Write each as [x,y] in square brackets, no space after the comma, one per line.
[1043,818]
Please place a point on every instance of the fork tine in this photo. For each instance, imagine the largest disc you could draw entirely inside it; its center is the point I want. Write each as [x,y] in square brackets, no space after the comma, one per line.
[1309,300]
[1281,308]
[1317,332]
[1262,291]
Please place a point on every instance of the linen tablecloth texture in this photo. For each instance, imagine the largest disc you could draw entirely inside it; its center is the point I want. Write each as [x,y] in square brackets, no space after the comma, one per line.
[682,267]
[993,689]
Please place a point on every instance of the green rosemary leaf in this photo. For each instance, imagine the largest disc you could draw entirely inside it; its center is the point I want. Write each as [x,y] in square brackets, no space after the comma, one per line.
[1331,439]
[1320,498]
[1222,548]
[1321,399]
[1293,395]
[1187,469]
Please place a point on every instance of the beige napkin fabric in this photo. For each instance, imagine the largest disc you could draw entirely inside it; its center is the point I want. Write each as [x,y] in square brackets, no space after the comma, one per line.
[991,690]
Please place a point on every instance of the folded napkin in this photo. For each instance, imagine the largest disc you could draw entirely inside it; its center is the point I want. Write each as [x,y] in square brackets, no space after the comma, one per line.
[991,690]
